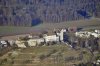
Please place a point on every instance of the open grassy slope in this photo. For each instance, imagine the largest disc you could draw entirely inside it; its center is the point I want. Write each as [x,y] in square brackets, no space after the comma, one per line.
[55,55]
[11,30]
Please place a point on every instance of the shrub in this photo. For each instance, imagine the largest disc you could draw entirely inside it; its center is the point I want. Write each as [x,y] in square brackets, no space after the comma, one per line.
[41,57]
[12,62]
[3,61]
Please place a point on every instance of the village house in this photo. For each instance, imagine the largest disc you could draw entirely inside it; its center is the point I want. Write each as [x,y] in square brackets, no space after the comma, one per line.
[97,31]
[20,44]
[35,42]
[87,34]
[46,38]
[98,62]
[11,42]
[62,35]
[51,38]
[3,44]
[32,42]
[88,40]
[57,37]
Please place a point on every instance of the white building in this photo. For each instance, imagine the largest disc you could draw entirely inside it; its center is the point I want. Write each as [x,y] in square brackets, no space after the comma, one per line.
[95,35]
[83,34]
[11,42]
[20,44]
[86,34]
[3,43]
[51,38]
[35,42]
[56,38]
[32,42]
[62,34]
[97,31]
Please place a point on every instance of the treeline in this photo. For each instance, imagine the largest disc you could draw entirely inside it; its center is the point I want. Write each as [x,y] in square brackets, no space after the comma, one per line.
[26,12]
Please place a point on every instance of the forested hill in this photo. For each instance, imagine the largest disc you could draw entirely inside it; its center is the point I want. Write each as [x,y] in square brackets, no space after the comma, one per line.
[33,12]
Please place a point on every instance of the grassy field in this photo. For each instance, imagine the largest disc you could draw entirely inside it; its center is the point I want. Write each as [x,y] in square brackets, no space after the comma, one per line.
[55,55]
[89,23]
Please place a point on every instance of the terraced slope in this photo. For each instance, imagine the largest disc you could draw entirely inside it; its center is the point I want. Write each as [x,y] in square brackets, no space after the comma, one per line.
[56,55]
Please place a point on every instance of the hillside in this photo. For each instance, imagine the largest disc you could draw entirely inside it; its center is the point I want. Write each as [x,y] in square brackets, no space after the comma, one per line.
[34,12]
[56,55]
[12,30]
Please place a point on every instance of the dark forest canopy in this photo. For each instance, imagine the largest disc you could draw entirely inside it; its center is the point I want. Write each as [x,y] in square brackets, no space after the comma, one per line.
[28,12]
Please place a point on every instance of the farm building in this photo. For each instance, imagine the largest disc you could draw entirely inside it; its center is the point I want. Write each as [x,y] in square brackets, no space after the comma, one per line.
[51,38]
[11,42]
[34,12]
[20,44]
[35,42]
[87,34]
[32,43]
[3,44]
